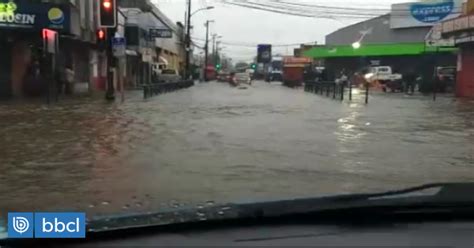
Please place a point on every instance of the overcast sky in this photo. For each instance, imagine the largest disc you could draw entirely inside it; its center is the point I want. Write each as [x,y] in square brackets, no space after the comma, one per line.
[246,26]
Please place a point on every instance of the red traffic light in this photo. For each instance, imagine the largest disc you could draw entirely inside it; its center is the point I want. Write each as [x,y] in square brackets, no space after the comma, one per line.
[107,13]
[107,4]
[101,34]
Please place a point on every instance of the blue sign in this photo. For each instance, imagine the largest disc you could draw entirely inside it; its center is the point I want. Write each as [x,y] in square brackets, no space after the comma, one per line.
[27,15]
[46,225]
[60,225]
[118,41]
[432,12]
[20,225]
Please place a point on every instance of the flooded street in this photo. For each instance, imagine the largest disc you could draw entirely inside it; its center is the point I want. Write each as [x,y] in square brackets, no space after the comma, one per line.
[213,143]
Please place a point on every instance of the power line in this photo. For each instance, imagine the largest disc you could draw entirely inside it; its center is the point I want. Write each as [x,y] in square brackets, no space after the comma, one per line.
[255,44]
[289,8]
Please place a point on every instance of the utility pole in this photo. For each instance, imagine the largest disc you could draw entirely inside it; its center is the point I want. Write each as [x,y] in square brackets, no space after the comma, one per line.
[216,55]
[214,48]
[111,63]
[206,52]
[188,43]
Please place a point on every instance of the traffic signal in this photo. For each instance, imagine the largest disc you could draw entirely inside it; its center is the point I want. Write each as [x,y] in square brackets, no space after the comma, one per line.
[101,36]
[107,13]
[253,66]
[218,66]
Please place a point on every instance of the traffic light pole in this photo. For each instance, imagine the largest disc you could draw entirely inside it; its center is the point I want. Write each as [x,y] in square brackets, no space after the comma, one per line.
[110,92]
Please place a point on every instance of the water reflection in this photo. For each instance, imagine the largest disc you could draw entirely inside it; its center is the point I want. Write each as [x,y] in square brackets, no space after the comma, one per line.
[212,144]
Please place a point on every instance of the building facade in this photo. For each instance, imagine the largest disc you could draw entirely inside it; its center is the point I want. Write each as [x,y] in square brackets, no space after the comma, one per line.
[397,39]
[147,55]
[461,30]
[23,70]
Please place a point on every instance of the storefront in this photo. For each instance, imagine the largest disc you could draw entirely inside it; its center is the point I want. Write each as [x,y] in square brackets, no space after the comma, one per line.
[21,23]
[462,31]
[397,39]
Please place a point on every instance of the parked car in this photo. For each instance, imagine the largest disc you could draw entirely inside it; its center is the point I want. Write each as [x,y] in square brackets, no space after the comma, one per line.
[383,77]
[168,76]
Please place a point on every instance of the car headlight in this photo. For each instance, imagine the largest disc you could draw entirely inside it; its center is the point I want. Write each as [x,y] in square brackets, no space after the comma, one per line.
[368,76]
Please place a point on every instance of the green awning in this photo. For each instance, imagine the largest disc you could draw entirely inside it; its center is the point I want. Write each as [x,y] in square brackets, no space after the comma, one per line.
[374,50]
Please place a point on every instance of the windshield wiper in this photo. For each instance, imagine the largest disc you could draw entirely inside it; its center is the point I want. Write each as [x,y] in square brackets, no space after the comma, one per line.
[425,196]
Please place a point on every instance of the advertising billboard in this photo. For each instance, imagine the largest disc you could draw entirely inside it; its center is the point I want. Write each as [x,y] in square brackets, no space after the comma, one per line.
[264,53]
[424,13]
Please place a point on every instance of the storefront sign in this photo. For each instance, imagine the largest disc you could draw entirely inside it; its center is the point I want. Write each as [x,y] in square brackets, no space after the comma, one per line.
[161,33]
[448,26]
[26,15]
[435,39]
[431,13]
[471,21]
[464,38]
[420,14]
[461,23]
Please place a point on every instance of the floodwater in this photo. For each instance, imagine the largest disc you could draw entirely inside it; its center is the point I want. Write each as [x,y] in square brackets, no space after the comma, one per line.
[216,144]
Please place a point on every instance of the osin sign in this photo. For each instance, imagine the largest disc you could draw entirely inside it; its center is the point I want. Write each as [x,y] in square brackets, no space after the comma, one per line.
[432,12]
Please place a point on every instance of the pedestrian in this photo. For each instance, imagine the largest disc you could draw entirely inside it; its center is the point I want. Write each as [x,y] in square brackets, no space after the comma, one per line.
[409,82]
[344,79]
[69,82]
[60,78]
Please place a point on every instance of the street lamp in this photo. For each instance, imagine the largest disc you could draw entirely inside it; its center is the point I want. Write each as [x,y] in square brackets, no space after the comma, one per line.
[363,33]
[188,38]
[207,8]
[356,45]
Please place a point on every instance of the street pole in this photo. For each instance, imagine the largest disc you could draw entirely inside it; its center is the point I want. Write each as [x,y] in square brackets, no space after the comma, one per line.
[214,48]
[188,43]
[110,92]
[206,52]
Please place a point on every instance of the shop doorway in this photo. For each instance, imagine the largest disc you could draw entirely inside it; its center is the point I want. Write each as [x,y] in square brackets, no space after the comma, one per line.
[5,69]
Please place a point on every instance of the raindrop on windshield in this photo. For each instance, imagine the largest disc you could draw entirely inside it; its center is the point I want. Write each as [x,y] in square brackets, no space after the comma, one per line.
[105,203]
[200,214]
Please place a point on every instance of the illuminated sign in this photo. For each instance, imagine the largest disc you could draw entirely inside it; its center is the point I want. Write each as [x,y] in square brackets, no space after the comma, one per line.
[8,15]
[27,15]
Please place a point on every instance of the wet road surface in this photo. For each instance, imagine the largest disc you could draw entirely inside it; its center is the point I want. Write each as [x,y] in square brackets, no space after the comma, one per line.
[216,144]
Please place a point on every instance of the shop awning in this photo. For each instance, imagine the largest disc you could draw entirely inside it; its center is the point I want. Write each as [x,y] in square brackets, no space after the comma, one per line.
[374,50]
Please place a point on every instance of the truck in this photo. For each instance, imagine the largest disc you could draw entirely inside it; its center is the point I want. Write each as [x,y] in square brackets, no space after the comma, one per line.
[293,70]
[275,70]
[383,77]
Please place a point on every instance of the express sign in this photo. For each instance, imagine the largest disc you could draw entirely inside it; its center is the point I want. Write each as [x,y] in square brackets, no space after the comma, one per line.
[431,13]
[27,15]
[423,13]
